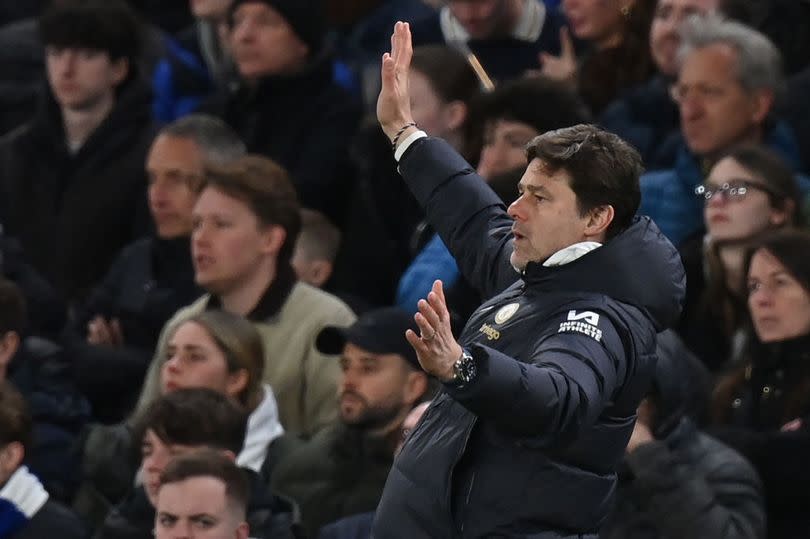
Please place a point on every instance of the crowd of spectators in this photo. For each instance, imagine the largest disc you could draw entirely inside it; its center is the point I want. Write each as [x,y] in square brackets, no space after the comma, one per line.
[208,261]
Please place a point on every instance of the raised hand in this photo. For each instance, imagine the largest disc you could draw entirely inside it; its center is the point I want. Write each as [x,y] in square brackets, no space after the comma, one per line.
[435,345]
[564,66]
[394,103]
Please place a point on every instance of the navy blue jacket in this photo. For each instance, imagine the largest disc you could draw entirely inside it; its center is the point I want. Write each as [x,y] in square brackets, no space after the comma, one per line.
[530,448]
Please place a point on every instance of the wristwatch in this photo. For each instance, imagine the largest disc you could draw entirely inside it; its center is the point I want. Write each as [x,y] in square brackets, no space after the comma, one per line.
[464,370]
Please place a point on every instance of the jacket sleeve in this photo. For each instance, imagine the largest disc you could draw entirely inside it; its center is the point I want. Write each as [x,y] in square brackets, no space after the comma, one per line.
[723,500]
[469,217]
[558,393]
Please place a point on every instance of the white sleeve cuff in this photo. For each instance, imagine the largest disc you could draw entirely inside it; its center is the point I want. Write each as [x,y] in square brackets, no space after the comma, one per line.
[405,144]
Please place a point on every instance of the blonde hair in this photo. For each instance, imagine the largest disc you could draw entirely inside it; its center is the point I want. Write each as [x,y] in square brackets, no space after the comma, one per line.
[241,344]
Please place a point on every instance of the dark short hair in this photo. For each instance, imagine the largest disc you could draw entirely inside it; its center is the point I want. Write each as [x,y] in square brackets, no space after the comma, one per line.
[541,103]
[448,72]
[266,188]
[604,169]
[13,311]
[775,175]
[209,463]
[199,416]
[104,25]
[16,424]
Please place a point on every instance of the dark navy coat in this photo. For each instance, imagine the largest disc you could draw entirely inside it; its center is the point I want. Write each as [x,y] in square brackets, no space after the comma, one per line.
[530,448]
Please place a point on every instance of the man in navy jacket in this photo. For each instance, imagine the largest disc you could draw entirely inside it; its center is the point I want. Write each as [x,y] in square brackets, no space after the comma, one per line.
[540,391]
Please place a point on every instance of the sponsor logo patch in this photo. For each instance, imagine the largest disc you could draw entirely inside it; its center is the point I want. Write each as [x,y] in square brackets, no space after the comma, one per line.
[585,322]
[506,312]
[491,333]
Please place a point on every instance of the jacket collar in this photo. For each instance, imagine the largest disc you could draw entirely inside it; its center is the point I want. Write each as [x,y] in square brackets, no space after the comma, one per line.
[273,299]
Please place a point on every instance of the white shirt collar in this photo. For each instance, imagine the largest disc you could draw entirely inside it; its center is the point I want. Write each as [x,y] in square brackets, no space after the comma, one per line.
[528,27]
[571,253]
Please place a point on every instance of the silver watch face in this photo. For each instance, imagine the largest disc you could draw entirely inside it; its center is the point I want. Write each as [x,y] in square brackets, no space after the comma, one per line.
[465,369]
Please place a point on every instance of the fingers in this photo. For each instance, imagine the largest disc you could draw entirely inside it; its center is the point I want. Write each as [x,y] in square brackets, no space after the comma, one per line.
[98,332]
[437,300]
[566,43]
[402,46]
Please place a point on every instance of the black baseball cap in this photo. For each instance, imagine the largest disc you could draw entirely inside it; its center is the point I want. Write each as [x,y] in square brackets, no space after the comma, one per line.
[380,331]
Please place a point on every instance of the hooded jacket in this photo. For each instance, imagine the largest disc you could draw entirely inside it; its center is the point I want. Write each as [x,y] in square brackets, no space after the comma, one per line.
[564,354]
[73,212]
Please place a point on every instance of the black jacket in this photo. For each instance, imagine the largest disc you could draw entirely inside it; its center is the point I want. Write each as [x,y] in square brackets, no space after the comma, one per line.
[149,281]
[685,483]
[269,516]
[530,447]
[41,373]
[73,213]
[776,382]
[52,520]
[303,122]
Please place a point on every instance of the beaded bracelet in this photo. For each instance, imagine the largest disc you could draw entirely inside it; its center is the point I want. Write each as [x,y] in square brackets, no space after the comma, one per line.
[399,134]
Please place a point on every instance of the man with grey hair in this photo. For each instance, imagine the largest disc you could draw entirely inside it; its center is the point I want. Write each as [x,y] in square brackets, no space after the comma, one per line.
[116,330]
[729,76]
[646,116]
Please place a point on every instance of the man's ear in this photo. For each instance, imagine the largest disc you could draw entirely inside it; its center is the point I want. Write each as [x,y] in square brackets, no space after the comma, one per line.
[455,114]
[761,105]
[9,345]
[319,272]
[274,237]
[243,531]
[415,387]
[120,70]
[11,458]
[599,219]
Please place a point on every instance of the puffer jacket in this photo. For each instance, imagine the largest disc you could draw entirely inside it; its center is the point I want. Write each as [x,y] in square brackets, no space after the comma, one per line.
[564,354]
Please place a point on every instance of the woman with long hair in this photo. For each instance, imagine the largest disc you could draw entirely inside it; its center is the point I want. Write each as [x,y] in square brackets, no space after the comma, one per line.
[762,407]
[748,192]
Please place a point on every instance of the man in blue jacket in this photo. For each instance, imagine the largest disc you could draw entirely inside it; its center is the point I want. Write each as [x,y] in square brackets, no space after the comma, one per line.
[540,391]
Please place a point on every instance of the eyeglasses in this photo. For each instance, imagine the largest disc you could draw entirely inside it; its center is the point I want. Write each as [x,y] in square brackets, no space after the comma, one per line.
[733,190]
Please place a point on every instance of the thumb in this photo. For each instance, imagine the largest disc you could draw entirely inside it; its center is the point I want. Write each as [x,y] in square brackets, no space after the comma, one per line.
[566,43]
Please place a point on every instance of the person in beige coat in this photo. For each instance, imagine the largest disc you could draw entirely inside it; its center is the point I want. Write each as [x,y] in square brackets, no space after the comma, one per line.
[246,221]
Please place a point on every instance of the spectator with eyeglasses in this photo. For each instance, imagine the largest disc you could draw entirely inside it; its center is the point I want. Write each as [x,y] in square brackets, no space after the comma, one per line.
[728,80]
[762,407]
[750,191]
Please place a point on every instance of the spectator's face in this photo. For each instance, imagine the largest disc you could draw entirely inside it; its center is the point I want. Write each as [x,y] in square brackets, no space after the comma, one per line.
[175,169]
[546,216]
[374,388]
[263,43]
[210,9]
[664,36]
[193,360]
[504,147]
[595,20]
[429,110]
[734,218]
[155,456]
[482,19]
[228,243]
[197,508]
[716,111]
[81,79]
[780,306]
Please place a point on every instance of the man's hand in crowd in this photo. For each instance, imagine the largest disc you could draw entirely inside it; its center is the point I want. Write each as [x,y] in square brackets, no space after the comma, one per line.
[102,332]
[435,345]
[394,101]
[563,67]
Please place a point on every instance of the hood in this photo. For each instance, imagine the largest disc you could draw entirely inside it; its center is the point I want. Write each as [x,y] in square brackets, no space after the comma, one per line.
[639,267]
[263,427]
[681,384]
